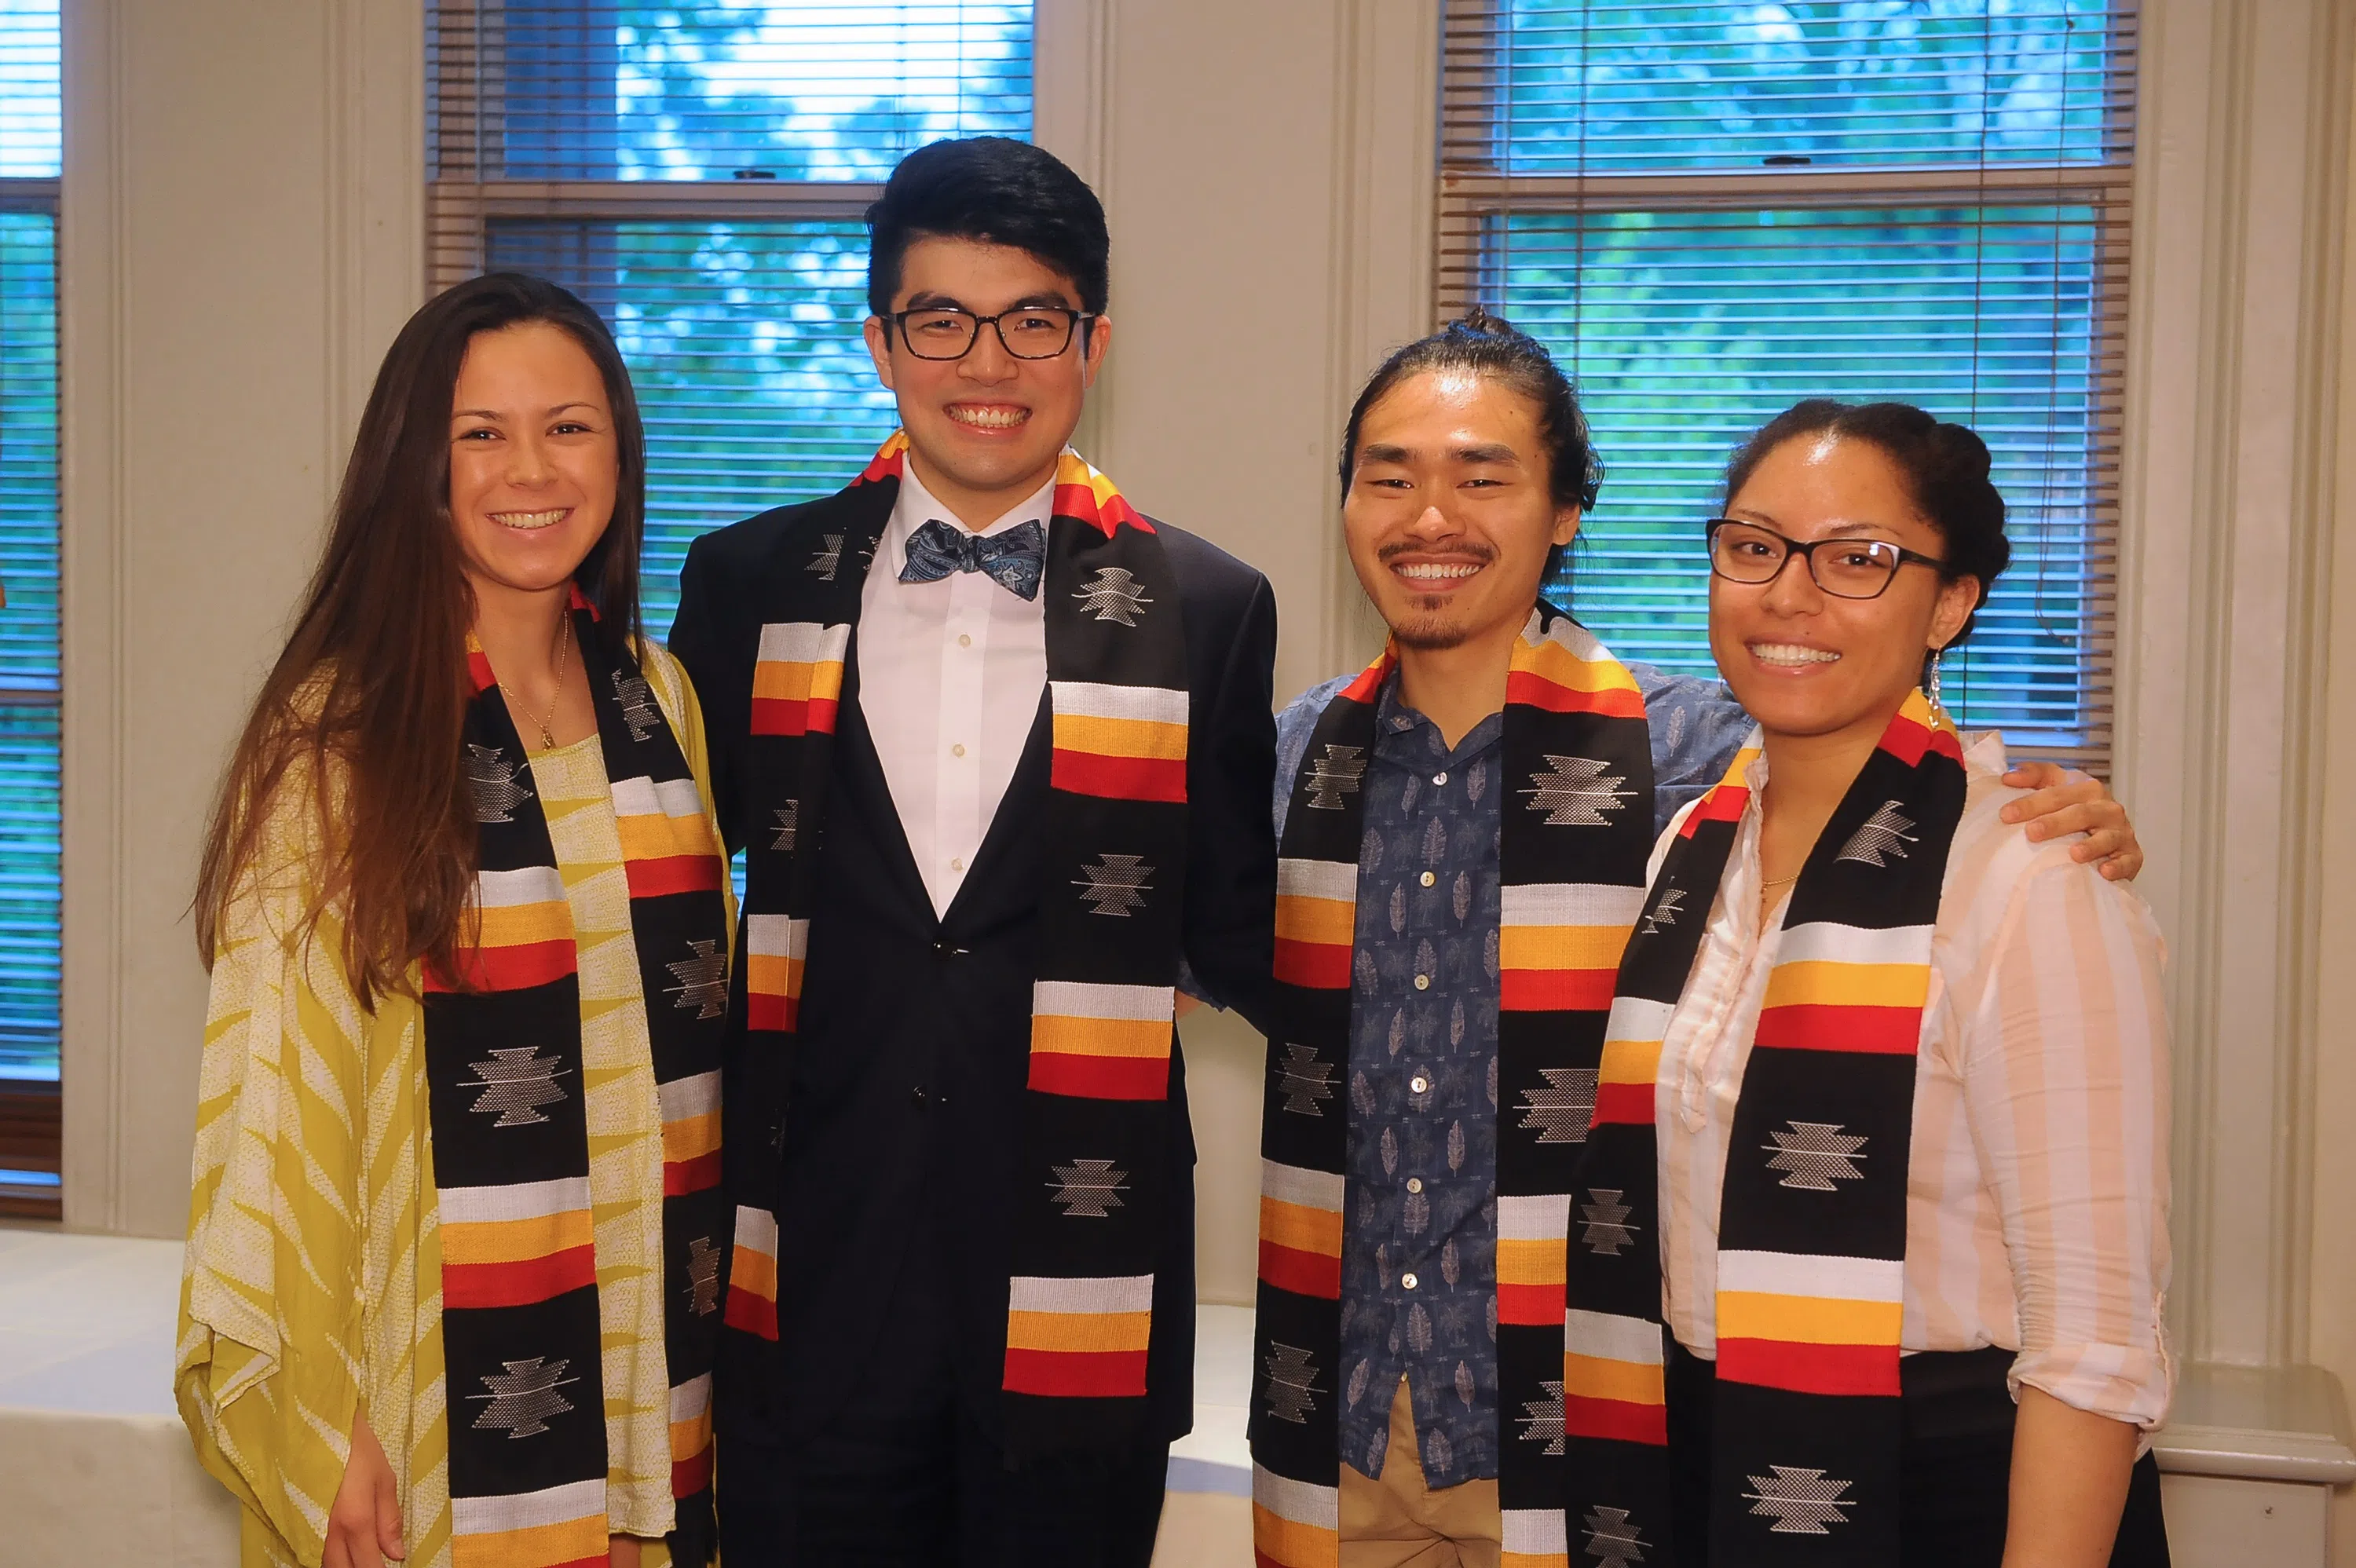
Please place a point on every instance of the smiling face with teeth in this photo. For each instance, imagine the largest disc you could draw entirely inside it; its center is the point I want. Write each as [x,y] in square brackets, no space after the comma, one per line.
[534,463]
[985,430]
[1450,515]
[1804,662]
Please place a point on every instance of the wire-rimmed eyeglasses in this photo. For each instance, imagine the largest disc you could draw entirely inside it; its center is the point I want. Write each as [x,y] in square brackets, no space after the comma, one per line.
[1026,332]
[1849,567]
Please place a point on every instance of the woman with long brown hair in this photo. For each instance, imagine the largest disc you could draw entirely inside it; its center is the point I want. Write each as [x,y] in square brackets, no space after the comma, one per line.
[453,1244]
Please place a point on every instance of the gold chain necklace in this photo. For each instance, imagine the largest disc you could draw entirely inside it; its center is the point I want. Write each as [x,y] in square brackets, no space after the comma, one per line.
[563,647]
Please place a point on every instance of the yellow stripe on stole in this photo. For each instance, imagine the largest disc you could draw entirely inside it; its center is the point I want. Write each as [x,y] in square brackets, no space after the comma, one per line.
[1300,1228]
[1557,663]
[1561,946]
[1600,1377]
[1120,737]
[1078,1331]
[770,976]
[1530,1262]
[522,925]
[1630,1061]
[514,1241]
[782,680]
[534,1546]
[664,837]
[1328,923]
[1807,1319]
[1823,983]
[1100,1037]
[1294,1544]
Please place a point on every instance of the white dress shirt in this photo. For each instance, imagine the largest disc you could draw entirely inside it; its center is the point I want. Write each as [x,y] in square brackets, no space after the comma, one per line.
[949,678]
[2037,1188]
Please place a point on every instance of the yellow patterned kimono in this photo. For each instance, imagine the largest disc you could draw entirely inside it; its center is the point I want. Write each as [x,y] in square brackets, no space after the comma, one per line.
[313,1282]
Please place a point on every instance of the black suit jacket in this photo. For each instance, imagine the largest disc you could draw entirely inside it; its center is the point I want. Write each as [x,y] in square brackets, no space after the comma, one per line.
[905,1108]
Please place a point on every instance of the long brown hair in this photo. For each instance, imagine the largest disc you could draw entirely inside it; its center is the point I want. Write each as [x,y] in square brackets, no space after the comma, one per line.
[367,706]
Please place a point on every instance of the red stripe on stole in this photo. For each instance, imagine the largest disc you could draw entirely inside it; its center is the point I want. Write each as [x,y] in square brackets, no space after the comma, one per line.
[518,1284]
[777,1015]
[1531,1305]
[1810,1369]
[1556,990]
[1080,501]
[700,1174]
[672,874]
[1622,1105]
[793,715]
[1615,1419]
[689,1477]
[1724,803]
[1077,1374]
[1119,778]
[1313,965]
[1907,741]
[749,1313]
[1368,682]
[1528,687]
[479,666]
[1875,1032]
[517,968]
[1303,1273]
[1100,1077]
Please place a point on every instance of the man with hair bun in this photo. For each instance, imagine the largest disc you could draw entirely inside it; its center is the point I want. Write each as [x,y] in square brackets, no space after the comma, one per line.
[1465,830]
[997,749]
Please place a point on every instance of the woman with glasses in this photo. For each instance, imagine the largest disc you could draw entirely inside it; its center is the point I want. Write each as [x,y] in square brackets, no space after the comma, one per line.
[1869,1239]
[452,1284]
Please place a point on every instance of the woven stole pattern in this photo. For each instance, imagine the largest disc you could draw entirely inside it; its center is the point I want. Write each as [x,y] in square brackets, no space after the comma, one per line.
[1090,1219]
[1576,825]
[1811,1230]
[503,1059]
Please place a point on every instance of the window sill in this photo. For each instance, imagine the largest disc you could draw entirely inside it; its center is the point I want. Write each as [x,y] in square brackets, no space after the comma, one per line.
[2259,1424]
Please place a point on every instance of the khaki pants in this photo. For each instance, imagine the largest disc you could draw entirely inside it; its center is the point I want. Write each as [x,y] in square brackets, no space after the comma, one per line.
[1397,1523]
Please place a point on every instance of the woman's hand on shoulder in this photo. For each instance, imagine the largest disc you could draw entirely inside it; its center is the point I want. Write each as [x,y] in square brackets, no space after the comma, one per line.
[364,1522]
[2063,800]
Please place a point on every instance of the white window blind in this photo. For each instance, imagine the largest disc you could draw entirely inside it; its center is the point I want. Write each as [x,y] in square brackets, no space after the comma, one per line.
[697,174]
[30,140]
[1710,211]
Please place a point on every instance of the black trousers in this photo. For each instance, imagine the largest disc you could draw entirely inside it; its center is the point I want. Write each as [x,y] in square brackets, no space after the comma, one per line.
[905,1474]
[1954,1469]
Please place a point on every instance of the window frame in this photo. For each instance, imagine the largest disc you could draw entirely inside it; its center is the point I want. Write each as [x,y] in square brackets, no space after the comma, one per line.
[1474,199]
[31,1113]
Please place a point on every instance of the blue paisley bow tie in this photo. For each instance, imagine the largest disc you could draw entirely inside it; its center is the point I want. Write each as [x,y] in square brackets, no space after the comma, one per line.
[1013,558]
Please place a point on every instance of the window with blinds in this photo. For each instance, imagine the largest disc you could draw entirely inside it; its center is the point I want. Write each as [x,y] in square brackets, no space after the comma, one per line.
[697,172]
[1711,210]
[30,138]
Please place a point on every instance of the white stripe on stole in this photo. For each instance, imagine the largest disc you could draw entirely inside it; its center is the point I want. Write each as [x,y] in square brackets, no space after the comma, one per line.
[1133,1293]
[528,1510]
[756,1232]
[1535,1532]
[1828,942]
[1636,1019]
[646,797]
[683,1097]
[776,936]
[1302,1502]
[511,889]
[804,642]
[1309,1188]
[1336,880]
[1570,903]
[1086,999]
[516,1200]
[691,1399]
[1831,1277]
[1541,1217]
[1092,700]
[1612,1338]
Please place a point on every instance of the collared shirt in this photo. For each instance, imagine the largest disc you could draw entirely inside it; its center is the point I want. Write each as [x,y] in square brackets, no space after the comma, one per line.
[2037,1190]
[1419,1194]
[949,678]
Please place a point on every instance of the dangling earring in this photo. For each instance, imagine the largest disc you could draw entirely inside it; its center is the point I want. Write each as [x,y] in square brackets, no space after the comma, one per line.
[1936,656]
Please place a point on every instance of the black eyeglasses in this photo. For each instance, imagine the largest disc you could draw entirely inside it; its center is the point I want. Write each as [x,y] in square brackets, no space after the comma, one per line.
[1849,567]
[1026,332]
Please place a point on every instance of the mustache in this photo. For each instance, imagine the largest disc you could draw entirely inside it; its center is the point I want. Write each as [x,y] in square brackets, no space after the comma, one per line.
[1471,550]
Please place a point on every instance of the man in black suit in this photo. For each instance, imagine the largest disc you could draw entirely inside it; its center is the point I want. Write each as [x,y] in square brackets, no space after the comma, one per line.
[999,750]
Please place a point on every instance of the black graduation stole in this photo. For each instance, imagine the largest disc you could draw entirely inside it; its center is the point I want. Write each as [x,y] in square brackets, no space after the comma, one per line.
[503,1061]
[1812,1228]
[1089,1223]
[1577,830]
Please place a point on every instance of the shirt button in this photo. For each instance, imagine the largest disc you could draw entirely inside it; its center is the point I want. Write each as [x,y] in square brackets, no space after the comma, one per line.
[958,750]
[1423,982]
[1419,1084]
[1415,1184]
[965,639]
[1428,878]
[955,864]
[1440,777]
[1406,1282]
